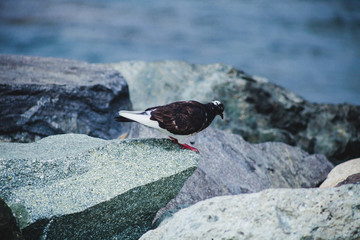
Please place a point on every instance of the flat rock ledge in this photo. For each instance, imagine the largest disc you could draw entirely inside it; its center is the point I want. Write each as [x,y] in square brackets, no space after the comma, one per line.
[332,213]
[73,186]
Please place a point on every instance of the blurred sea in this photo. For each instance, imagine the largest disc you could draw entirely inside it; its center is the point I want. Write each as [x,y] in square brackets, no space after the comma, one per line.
[311,47]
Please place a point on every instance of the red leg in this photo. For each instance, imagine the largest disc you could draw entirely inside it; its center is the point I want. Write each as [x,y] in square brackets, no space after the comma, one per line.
[184,146]
[174,139]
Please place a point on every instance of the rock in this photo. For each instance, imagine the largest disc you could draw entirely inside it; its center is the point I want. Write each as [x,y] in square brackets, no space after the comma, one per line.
[157,83]
[332,213]
[46,96]
[341,172]
[8,227]
[352,179]
[77,187]
[229,165]
[270,113]
[256,109]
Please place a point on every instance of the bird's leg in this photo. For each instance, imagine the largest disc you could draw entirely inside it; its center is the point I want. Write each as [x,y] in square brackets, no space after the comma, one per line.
[184,146]
[174,140]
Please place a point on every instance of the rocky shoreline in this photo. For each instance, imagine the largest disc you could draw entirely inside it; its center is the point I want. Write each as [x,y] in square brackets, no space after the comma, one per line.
[65,175]
[256,109]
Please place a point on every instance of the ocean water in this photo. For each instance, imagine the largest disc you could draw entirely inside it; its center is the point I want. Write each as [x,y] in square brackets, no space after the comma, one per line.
[311,47]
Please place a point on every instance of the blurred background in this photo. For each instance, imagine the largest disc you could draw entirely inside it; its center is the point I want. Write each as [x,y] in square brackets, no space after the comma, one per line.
[311,47]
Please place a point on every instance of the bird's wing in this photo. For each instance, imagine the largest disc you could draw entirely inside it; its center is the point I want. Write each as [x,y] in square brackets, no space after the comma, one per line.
[180,118]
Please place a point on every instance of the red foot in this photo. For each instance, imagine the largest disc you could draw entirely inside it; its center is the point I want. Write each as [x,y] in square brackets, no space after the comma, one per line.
[174,139]
[185,146]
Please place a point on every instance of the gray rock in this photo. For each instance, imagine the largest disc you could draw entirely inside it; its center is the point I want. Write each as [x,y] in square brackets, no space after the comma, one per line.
[157,83]
[352,179]
[256,109]
[46,96]
[332,213]
[266,112]
[341,172]
[8,226]
[230,165]
[77,187]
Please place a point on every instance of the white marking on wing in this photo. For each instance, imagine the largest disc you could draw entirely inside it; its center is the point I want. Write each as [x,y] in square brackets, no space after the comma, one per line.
[140,117]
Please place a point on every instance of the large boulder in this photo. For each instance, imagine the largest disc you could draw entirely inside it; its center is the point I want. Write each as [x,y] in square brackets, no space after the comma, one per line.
[9,228]
[265,112]
[256,109]
[77,187]
[341,172]
[46,96]
[332,213]
[230,165]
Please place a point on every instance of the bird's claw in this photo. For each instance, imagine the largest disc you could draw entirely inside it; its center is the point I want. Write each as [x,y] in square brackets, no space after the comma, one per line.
[185,146]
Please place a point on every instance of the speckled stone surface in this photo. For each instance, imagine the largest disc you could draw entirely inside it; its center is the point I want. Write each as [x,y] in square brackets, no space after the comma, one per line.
[332,213]
[75,186]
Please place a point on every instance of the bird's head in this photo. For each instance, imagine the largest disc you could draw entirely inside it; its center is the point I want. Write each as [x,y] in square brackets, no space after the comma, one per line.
[218,108]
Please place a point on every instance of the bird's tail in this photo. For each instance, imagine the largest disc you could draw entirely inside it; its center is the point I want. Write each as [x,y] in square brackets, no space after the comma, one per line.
[131,114]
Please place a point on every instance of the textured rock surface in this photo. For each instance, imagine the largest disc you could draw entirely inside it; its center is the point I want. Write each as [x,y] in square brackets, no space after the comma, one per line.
[9,230]
[230,165]
[332,213]
[270,113]
[352,179]
[45,96]
[77,187]
[256,109]
[341,172]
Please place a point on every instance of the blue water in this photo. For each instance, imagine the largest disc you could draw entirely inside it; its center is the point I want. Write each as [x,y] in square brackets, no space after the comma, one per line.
[309,46]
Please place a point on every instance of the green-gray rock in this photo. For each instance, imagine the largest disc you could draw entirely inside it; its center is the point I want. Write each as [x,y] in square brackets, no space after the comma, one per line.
[77,187]
[256,109]
[9,229]
[332,213]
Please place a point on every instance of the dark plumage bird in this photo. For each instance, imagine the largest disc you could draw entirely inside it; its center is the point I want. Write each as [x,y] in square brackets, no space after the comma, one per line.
[178,120]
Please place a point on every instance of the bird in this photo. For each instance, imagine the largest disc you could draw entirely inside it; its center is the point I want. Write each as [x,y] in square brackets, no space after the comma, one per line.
[177,120]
